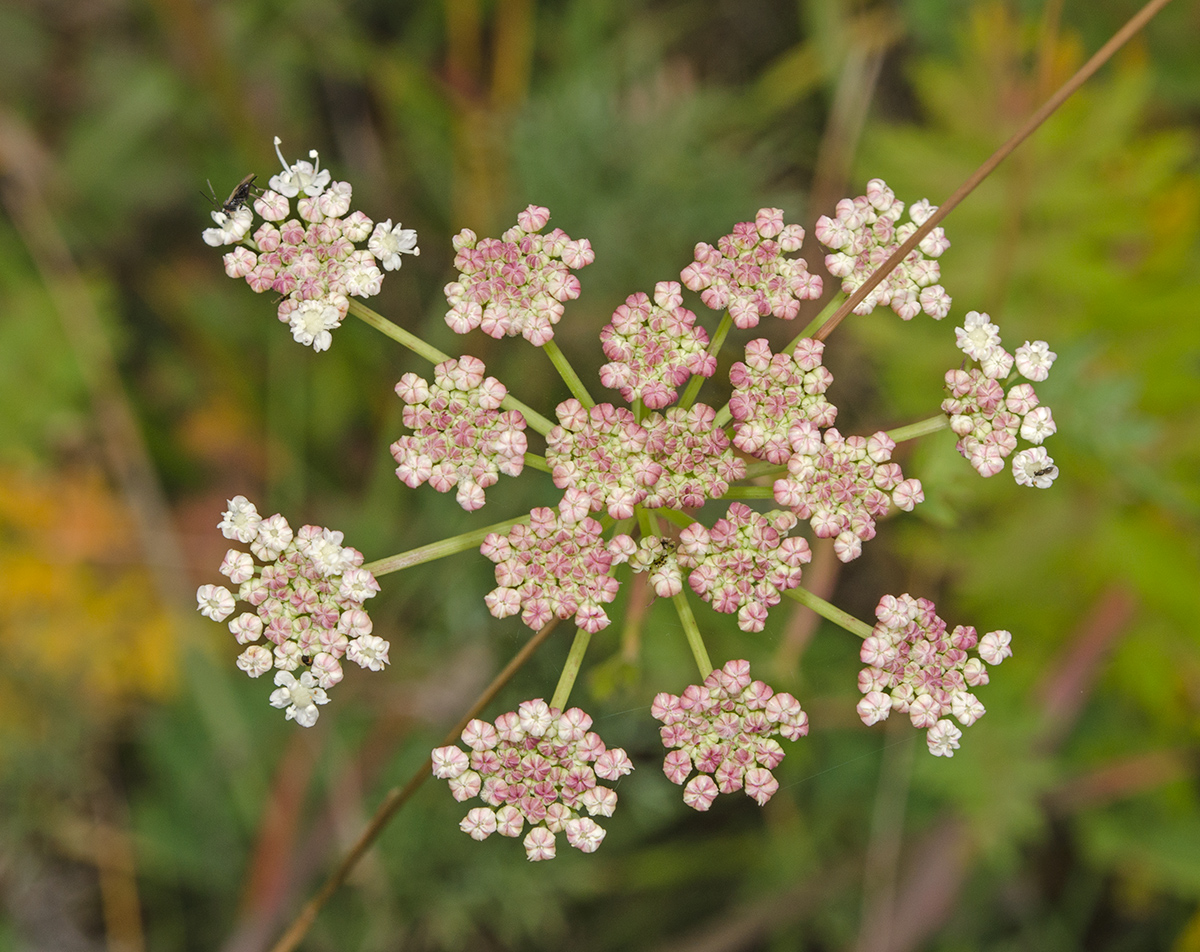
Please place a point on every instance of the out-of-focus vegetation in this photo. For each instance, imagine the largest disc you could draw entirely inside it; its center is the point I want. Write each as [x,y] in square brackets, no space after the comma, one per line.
[150,798]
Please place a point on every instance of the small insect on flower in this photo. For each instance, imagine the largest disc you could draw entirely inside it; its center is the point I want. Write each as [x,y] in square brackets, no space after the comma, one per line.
[306,660]
[1044,472]
[238,197]
[669,546]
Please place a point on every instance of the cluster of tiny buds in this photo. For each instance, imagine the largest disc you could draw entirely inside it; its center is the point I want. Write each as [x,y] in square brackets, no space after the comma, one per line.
[311,260]
[841,484]
[725,730]
[307,599]
[985,418]
[773,393]
[535,765]
[916,666]
[864,234]
[460,436]
[515,285]
[654,348]
[747,273]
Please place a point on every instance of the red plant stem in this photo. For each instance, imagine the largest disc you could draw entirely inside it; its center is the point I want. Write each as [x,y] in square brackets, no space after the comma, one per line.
[1101,56]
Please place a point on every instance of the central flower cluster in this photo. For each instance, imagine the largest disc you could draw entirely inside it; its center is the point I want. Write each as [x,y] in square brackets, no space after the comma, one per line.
[308,603]
[725,729]
[537,765]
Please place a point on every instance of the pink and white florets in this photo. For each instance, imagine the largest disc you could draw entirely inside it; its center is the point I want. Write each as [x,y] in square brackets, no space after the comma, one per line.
[460,437]
[654,347]
[747,273]
[843,484]
[724,731]
[535,765]
[307,600]
[917,667]
[515,286]
[865,232]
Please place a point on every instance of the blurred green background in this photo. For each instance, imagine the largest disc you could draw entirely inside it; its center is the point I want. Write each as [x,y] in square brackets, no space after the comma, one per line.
[149,796]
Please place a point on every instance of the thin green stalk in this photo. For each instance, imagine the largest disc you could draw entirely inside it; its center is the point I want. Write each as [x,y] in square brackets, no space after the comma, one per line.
[749,492]
[570,670]
[438,550]
[567,372]
[397,333]
[533,461]
[692,631]
[922,428]
[714,348]
[831,612]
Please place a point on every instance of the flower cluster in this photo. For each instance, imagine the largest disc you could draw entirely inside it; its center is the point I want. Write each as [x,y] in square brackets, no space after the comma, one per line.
[307,599]
[460,438]
[985,418]
[517,284]
[654,348]
[916,667]
[537,765]
[748,274]
[601,452]
[725,730]
[311,259]
[695,456]
[842,484]
[743,562]
[773,393]
[555,567]
[864,234]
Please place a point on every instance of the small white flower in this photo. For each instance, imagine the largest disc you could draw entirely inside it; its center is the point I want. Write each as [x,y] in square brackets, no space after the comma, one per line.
[303,177]
[966,707]
[247,627]
[300,697]
[1034,467]
[1034,360]
[241,520]
[1037,425]
[311,323]
[369,651]
[255,661]
[995,646]
[943,738]
[230,228]
[388,244]
[214,601]
[977,338]
[274,535]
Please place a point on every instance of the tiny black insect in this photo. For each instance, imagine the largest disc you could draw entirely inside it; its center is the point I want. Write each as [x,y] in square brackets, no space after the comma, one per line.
[238,197]
[306,659]
[1043,472]
[668,546]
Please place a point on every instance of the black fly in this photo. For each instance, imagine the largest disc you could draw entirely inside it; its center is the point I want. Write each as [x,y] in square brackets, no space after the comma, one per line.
[238,197]
[1043,472]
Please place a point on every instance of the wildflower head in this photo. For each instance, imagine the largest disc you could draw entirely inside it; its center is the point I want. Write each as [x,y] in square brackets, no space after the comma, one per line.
[557,566]
[460,437]
[744,562]
[865,232]
[311,258]
[536,765]
[918,667]
[515,285]
[842,484]
[724,731]
[306,595]
[748,274]
[654,347]
[986,418]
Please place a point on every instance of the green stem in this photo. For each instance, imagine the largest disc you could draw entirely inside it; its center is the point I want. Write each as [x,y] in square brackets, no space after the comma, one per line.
[438,550]
[831,612]
[773,470]
[749,492]
[923,428]
[692,631]
[435,356]
[570,670]
[815,324]
[714,348]
[397,333]
[567,372]
[533,461]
